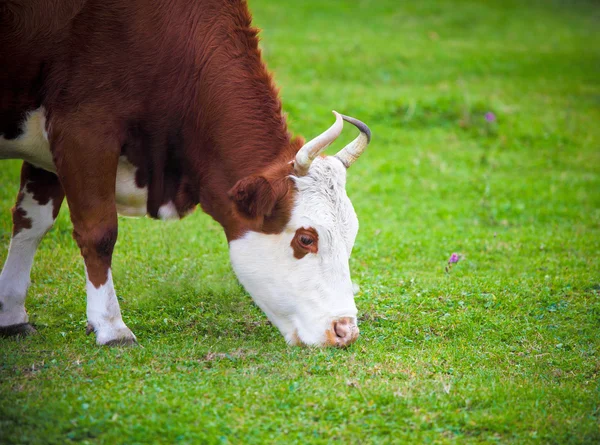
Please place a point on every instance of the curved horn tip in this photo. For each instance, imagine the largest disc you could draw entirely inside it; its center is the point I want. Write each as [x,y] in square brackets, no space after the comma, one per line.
[338,117]
[310,150]
[362,127]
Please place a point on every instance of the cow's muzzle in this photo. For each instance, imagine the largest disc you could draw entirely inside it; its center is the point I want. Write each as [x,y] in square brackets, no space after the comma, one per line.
[343,332]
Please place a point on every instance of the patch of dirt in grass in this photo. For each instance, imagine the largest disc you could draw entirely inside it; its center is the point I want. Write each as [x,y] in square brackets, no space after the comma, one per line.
[232,355]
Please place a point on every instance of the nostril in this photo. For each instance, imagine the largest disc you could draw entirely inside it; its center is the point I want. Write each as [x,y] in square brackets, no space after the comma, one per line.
[342,329]
[343,332]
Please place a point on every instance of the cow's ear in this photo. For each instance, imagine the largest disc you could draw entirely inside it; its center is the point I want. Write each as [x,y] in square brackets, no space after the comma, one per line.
[253,196]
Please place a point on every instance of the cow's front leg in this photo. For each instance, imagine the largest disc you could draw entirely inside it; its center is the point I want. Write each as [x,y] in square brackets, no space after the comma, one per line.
[38,203]
[87,169]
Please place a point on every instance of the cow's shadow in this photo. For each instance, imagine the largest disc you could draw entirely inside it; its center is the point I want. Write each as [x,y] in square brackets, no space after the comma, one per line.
[212,311]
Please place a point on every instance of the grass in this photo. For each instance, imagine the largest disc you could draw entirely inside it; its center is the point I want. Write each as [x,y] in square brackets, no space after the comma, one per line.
[502,349]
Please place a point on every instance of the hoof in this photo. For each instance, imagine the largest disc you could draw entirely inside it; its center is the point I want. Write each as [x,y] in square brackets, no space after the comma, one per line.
[17,330]
[120,336]
[122,342]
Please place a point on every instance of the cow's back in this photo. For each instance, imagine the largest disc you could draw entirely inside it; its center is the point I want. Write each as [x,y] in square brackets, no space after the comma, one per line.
[137,59]
[158,73]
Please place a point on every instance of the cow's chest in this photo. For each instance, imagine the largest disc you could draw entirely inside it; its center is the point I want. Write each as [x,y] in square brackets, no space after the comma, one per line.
[32,146]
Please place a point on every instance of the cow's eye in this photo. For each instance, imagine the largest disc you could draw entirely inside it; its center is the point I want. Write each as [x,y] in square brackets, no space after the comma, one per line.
[306,241]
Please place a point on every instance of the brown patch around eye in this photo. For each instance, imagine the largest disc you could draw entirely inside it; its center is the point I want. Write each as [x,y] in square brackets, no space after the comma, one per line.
[306,240]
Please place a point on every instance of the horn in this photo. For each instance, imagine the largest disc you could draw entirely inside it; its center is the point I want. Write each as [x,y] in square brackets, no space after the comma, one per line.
[350,153]
[316,146]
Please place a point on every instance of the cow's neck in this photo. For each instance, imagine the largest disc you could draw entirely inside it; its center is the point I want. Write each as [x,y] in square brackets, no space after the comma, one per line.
[241,131]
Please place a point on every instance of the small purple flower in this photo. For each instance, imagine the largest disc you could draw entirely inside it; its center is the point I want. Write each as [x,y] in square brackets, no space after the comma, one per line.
[454,258]
[490,117]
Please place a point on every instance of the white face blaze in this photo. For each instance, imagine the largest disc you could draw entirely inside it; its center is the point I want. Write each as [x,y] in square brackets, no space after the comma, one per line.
[303,297]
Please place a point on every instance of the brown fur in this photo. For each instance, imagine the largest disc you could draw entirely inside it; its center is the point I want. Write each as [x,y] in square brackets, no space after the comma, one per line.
[43,186]
[19,216]
[176,86]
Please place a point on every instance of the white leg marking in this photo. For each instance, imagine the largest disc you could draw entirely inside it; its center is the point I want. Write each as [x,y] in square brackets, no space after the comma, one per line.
[14,279]
[104,314]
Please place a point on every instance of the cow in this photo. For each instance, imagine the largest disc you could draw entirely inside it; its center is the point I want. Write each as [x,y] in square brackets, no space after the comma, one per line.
[153,108]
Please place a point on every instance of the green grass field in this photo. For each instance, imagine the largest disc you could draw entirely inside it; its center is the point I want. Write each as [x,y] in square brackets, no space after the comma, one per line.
[505,348]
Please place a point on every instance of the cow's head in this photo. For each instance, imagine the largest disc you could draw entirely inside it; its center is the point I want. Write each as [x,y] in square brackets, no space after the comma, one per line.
[294,263]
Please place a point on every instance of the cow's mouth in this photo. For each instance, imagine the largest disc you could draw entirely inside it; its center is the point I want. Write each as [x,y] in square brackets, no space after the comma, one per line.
[342,333]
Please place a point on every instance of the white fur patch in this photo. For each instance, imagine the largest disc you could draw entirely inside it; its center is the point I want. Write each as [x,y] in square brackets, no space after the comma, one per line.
[168,211]
[32,145]
[103,312]
[304,296]
[131,199]
[14,279]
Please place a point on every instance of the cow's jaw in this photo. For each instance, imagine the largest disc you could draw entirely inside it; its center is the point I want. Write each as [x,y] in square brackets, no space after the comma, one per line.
[304,297]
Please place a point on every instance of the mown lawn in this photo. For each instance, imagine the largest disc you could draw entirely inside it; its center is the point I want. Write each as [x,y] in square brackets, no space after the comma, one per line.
[504,348]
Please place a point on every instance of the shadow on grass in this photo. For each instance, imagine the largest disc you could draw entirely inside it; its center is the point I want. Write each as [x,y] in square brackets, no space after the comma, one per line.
[215,312]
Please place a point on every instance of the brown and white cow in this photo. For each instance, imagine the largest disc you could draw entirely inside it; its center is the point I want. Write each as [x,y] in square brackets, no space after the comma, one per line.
[151,108]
